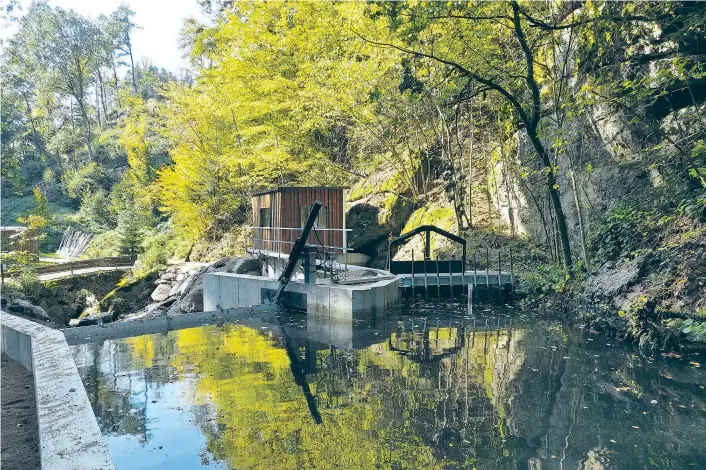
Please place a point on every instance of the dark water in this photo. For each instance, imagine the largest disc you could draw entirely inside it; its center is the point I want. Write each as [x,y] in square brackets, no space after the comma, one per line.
[433,387]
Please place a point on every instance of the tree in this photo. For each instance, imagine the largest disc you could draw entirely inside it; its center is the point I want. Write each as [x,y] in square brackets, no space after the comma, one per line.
[120,27]
[506,65]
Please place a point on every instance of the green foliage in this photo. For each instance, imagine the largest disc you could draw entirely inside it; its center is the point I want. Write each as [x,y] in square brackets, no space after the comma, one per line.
[545,279]
[131,233]
[620,233]
[103,245]
[94,214]
[691,326]
[157,247]
[86,180]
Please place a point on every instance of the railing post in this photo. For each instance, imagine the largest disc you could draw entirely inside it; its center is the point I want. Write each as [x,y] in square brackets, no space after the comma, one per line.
[412,273]
[426,286]
[475,270]
[438,278]
[512,271]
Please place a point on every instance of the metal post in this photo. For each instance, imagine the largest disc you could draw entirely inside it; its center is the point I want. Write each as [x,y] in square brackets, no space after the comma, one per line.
[470,299]
[297,249]
[451,282]
[426,286]
[310,268]
[475,271]
[345,236]
[412,274]
[487,267]
[499,283]
[438,278]
[512,272]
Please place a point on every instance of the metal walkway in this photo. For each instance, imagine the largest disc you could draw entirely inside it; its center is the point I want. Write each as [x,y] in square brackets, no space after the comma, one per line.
[478,278]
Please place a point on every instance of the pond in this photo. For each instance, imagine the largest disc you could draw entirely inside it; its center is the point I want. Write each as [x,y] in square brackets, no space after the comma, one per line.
[431,387]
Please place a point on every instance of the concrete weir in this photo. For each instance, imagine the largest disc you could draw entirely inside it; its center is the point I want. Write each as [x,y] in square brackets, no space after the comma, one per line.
[343,301]
[69,436]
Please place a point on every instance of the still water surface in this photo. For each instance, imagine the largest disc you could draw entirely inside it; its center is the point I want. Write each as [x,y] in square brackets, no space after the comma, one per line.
[432,387]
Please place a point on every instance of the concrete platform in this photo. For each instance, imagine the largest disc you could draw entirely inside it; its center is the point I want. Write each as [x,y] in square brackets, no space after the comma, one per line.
[226,290]
[69,436]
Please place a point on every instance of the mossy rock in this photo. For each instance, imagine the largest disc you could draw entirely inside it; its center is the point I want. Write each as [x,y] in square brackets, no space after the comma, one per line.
[129,297]
[379,216]
[443,217]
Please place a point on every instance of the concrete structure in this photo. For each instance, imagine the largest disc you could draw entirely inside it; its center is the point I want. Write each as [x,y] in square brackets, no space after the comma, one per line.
[227,290]
[69,436]
[96,333]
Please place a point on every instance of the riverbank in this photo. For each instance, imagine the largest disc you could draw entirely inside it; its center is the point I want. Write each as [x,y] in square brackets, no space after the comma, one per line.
[20,437]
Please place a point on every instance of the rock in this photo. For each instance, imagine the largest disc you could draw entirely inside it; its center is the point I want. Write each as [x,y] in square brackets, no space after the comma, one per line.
[375,217]
[189,283]
[95,319]
[611,279]
[161,281]
[247,265]
[158,307]
[176,289]
[26,308]
[169,276]
[161,293]
[220,263]
[180,277]
[191,302]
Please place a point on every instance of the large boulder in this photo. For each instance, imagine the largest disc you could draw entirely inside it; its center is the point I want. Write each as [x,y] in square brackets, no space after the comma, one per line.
[161,293]
[190,290]
[23,307]
[380,207]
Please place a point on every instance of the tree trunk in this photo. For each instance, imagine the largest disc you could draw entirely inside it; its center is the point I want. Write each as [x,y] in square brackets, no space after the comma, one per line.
[87,127]
[39,141]
[470,167]
[579,213]
[132,64]
[553,188]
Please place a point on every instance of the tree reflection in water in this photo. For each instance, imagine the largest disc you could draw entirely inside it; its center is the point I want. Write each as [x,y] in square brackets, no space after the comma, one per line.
[417,393]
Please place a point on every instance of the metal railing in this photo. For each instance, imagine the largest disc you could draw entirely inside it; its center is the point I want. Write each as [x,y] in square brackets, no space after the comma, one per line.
[326,242]
[280,239]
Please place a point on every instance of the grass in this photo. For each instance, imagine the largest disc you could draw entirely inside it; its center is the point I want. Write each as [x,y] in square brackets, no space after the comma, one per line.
[15,207]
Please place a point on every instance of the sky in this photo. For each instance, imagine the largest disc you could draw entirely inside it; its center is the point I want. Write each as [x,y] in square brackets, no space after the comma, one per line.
[159,20]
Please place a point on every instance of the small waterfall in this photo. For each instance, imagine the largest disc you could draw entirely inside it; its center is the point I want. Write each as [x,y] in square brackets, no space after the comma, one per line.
[73,243]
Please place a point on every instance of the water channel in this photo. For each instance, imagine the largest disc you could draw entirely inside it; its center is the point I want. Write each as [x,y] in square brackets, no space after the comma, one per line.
[432,386]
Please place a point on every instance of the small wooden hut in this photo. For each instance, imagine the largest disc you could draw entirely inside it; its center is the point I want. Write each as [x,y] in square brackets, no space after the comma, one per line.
[279,215]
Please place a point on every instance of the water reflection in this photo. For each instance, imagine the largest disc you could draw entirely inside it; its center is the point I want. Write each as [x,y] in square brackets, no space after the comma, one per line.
[441,391]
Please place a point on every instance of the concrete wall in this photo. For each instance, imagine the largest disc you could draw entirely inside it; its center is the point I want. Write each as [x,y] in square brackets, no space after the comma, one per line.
[227,290]
[69,436]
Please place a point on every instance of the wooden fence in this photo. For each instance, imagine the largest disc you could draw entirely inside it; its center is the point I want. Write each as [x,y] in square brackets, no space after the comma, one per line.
[110,262]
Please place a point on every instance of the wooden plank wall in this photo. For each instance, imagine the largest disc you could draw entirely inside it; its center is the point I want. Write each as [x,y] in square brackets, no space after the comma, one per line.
[286,209]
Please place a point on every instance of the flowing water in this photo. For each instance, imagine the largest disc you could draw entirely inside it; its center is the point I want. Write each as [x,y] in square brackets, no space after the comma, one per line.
[73,243]
[432,387]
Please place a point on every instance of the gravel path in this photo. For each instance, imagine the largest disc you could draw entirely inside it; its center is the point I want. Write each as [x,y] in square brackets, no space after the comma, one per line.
[18,435]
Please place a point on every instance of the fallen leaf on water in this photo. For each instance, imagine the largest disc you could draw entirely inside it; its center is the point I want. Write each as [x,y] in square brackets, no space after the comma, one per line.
[636,427]
[695,364]
[654,402]
[622,389]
